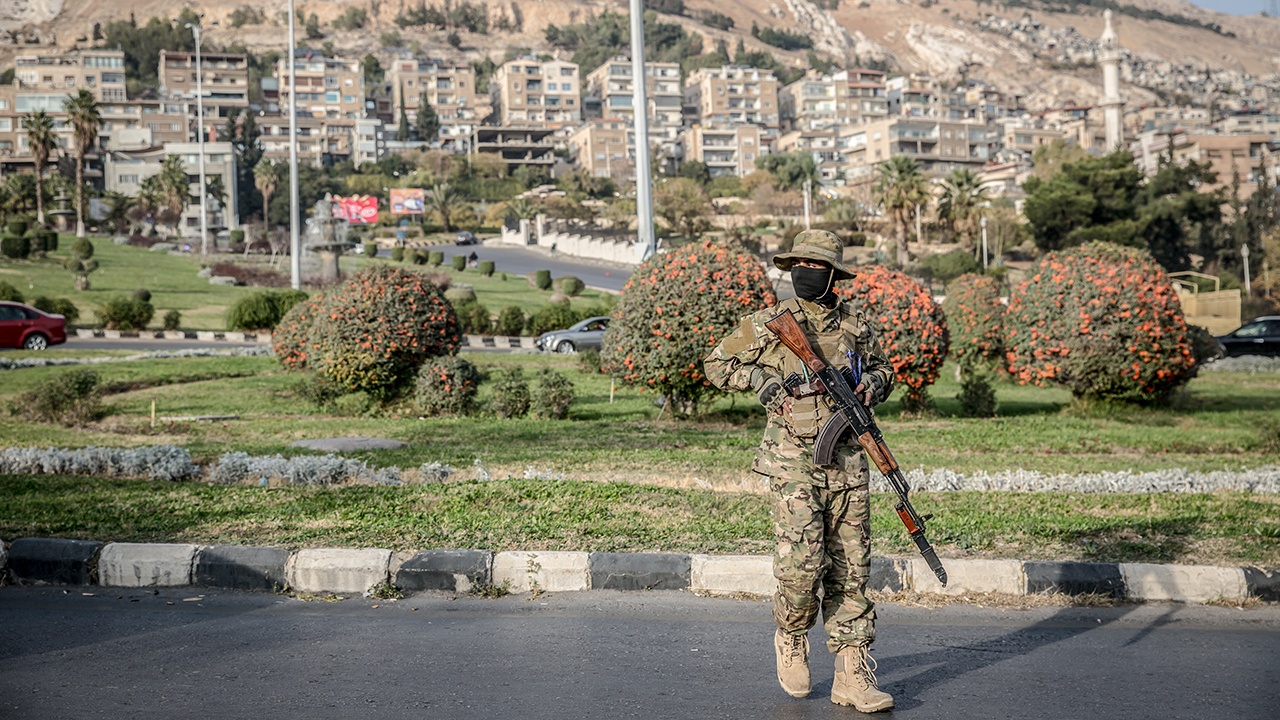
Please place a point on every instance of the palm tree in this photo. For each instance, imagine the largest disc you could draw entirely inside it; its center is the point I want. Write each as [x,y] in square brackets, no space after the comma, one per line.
[443,199]
[960,203]
[173,188]
[43,141]
[265,178]
[85,118]
[900,187]
[118,207]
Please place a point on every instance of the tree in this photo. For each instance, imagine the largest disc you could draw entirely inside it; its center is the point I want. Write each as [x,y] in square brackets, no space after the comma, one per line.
[216,192]
[173,189]
[427,122]
[675,308]
[684,206]
[444,200]
[265,178]
[900,187]
[40,136]
[789,170]
[695,170]
[373,70]
[118,207]
[960,203]
[86,119]
[1093,198]
[402,131]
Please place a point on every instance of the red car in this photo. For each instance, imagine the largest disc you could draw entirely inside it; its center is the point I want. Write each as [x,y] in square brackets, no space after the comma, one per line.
[22,326]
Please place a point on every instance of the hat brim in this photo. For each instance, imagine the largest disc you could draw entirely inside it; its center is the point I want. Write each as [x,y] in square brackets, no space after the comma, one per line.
[784,261]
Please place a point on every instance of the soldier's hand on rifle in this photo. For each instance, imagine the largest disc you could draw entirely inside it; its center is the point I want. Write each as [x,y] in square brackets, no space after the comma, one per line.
[869,390]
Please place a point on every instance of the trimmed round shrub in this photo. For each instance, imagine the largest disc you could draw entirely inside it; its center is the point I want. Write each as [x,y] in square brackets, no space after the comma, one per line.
[18,226]
[172,321]
[473,318]
[262,310]
[82,249]
[510,394]
[435,258]
[459,262]
[49,240]
[486,268]
[553,395]
[397,254]
[417,257]
[9,293]
[370,249]
[674,310]
[975,318]
[56,306]
[569,285]
[124,313]
[946,267]
[540,279]
[460,294]
[236,237]
[446,386]
[289,340]
[377,328]
[510,321]
[15,247]
[910,326]
[552,317]
[142,294]
[1101,320]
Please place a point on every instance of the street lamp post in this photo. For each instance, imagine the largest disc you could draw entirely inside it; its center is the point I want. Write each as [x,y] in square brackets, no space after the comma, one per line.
[983,222]
[204,215]
[640,105]
[808,195]
[1244,253]
[295,247]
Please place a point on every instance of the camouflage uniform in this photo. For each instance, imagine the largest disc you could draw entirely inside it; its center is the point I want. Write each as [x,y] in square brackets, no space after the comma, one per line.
[822,516]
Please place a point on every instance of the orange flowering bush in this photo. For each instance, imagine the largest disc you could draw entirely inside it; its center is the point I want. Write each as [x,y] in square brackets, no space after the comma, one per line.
[910,325]
[447,386]
[674,310]
[289,339]
[374,331]
[1102,320]
[975,318]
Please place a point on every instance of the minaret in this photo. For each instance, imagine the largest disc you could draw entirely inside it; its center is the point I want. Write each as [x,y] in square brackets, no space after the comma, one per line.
[1112,104]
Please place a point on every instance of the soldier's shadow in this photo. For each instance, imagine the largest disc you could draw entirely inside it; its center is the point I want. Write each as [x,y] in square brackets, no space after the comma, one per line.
[944,663]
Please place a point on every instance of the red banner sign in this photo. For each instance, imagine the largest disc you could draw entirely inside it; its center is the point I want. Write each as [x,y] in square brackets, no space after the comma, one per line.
[356,210]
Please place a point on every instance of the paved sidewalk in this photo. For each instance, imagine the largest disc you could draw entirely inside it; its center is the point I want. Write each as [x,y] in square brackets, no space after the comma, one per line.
[362,570]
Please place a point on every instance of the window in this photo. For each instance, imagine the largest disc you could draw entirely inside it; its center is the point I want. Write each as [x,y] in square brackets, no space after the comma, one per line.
[6,124]
[566,72]
[131,179]
[331,96]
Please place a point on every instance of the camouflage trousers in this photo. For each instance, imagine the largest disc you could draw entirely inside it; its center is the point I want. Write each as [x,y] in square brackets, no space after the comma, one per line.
[823,545]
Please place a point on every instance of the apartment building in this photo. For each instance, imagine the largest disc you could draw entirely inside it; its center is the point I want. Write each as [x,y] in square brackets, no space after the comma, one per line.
[516,146]
[605,147]
[611,84]
[322,141]
[449,87]
[986,104]
[1167,120]
[822,144]
[331,88]
[939,146]
[1081,125]
[1024,135]
[924,97]
[125,171]
[370,141]
[1248,156]
[733,95]
[224,79]
[1249,123]
[730,150]
[531,92]
[846,97]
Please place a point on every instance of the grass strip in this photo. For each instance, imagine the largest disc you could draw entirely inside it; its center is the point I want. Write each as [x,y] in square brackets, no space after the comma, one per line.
[1218,529]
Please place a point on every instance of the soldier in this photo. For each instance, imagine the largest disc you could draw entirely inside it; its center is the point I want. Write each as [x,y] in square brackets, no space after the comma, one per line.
[822,515]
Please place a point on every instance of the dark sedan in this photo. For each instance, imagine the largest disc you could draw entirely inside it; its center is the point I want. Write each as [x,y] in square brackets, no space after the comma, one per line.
[584,335]
[22,326]
[1260,336]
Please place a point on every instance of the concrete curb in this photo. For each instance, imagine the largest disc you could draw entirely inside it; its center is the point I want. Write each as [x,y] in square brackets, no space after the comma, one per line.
[356,571]
[202,335]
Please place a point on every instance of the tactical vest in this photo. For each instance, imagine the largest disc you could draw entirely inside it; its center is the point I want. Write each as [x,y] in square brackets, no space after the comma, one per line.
[809,414]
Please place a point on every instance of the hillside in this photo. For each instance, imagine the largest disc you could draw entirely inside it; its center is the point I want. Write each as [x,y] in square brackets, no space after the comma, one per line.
[1041,49]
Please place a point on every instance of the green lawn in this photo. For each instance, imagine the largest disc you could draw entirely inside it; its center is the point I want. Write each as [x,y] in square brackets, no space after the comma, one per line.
[174,285]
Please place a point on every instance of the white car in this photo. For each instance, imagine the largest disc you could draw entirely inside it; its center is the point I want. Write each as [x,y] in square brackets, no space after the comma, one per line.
[582,336]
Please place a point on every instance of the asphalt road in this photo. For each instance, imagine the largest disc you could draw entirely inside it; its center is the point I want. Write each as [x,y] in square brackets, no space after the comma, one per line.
[516,260]
[141,654]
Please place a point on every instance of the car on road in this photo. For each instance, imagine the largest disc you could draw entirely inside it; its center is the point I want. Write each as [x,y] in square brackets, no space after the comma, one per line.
[22,326]
[1260,336]
[585,335]
[466,237]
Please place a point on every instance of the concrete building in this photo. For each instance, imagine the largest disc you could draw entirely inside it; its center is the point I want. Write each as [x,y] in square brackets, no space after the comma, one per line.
[530,92]
[605,147]
[734,96]
[939,146]
[924,97]
[44,81]
[322,141]
[1024,135]
[1249,123]
[224,79]
[125,171]
[1249,156]
[331,88]
[818,101]
[1165,119]
[371,141]
[729,150]
[610,87]
[449,87]
[823,145]
[516,146]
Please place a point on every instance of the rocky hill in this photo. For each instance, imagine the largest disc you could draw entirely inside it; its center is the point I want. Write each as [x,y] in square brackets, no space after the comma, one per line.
[1040,49]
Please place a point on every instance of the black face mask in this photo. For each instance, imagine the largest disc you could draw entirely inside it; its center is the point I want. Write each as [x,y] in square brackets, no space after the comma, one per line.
[812,284]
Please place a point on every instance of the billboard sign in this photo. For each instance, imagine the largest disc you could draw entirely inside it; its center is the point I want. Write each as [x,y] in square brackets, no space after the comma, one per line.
[407,201]
[357,209]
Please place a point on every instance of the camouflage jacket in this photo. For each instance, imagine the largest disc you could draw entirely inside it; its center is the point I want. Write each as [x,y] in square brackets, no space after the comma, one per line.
[787,447]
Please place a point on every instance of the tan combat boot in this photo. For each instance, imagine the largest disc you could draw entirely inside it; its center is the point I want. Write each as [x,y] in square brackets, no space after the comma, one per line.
[793,662]
[855,682]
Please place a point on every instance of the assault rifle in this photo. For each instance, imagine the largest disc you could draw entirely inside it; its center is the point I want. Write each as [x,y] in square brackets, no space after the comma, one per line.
[852,416]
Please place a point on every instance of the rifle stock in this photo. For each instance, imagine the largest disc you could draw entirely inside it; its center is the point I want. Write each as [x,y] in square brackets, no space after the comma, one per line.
[853,416]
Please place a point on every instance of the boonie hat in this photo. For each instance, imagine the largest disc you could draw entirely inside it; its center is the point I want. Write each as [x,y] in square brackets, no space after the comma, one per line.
[817,245]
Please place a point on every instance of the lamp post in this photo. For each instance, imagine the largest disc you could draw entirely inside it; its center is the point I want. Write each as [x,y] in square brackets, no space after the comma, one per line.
[295,247]
[1244,253]
[983,222]
[640,105]
[808,195]
[204,215]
